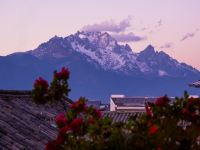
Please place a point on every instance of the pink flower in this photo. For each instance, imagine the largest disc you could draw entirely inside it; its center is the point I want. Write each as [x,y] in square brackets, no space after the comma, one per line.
[76,124]
[75,105]
[185,111]
[64,129]
[148,110]
[91,120]
[79,105]
[51,145]
[61,120]
[194,114]
[60,139]
[63,74]
[190,100]
[97,114]
[149,123]
[162,101]
[159,148]
[153,129]
[42,83]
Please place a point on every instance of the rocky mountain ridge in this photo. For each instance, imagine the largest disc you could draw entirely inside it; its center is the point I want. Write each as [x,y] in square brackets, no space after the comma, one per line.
[99,67]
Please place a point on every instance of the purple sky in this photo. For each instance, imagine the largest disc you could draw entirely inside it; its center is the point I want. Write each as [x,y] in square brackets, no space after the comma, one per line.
[170,25]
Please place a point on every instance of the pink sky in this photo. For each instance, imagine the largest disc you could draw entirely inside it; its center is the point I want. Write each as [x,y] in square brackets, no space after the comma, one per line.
[172,25]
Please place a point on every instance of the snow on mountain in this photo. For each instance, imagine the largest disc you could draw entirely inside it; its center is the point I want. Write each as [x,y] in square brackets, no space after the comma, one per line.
[102,49]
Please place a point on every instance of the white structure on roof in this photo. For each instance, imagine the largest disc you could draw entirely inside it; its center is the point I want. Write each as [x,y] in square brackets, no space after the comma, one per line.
[133,104]
[123,103]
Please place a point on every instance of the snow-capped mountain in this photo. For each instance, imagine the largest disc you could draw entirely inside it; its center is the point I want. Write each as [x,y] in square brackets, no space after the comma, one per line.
[99,67]
[99,48]
[103,51]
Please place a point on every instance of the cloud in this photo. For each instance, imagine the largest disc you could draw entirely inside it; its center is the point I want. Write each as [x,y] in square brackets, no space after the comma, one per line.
[189,35]
[144,29]
[129,37]
[157,27]
[153,28]
[167,45]
[110,26]
[116,30]
[159,23]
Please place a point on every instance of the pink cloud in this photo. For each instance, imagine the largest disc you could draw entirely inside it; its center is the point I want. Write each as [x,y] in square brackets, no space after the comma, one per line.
[189,35]
[167,45]
[109,26]
[129,37]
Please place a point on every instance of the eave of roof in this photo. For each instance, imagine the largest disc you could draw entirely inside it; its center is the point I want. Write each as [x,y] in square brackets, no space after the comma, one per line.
[121,116]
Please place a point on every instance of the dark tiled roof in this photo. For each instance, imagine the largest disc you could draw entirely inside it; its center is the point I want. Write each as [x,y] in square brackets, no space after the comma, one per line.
[23,124]
[120,116]
[98,105]
[132,101]
[95,104]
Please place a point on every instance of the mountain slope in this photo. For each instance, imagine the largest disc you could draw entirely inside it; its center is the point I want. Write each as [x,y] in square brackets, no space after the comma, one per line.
[99,67]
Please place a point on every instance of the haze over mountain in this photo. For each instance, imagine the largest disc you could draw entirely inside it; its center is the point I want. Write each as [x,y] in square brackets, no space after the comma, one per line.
[99,67]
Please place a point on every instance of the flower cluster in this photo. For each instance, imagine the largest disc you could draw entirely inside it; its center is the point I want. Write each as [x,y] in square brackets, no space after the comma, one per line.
[41,83]
[74,123]
[191,109]
[63,74]
[79,105]
[40,90]
[61,120]
[153,129]
[162,101]
[59,88]
[57,91]
[174,123]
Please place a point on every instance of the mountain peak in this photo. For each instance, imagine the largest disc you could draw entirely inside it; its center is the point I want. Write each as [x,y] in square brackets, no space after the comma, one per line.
[103,49]
[127,47]
[150,48]
[148,51]
[94,36]
[55,38]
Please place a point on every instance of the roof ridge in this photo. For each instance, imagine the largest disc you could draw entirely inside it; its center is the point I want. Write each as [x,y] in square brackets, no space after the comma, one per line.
[16,92]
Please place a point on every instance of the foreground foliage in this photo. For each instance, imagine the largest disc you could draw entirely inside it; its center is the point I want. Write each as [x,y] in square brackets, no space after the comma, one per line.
[57,91]
[165,125]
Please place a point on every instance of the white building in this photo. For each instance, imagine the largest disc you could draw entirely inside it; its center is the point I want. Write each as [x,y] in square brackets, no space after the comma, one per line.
[123,103]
